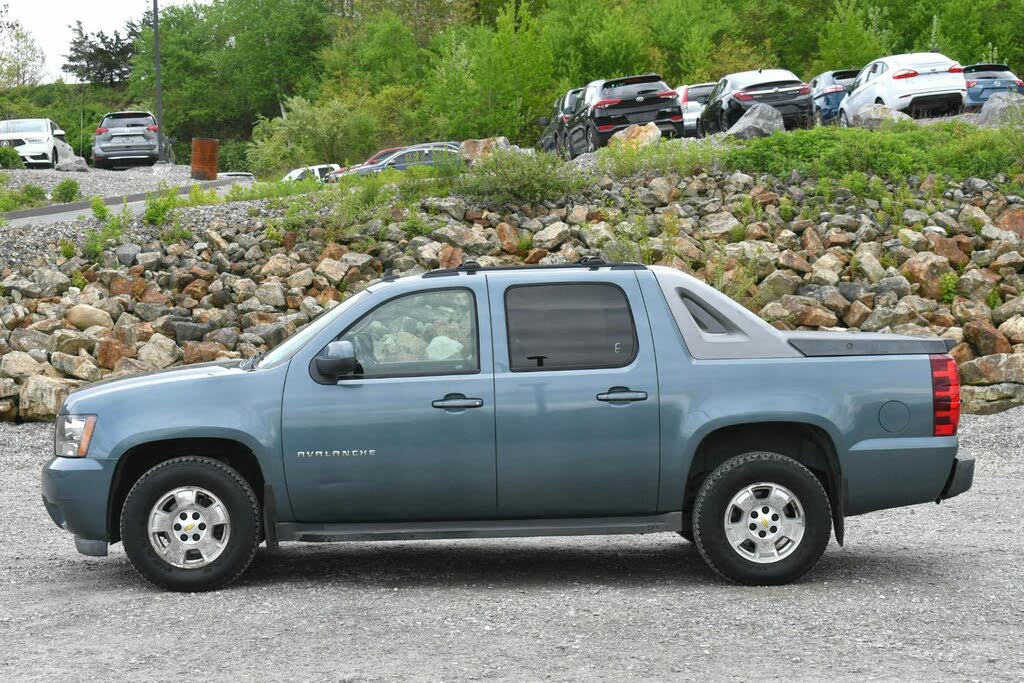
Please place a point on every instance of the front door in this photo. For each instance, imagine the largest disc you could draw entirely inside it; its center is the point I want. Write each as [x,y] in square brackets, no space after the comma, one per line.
[576,381]
[410,436]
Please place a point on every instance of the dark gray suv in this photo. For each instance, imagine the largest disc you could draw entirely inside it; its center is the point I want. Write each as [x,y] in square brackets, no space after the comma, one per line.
[125,138]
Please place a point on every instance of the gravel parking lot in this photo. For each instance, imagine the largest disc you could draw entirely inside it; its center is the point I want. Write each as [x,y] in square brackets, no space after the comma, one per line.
[917,594]
[103,182]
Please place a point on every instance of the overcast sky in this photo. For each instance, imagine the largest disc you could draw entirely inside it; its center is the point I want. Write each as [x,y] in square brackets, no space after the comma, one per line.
[48,22]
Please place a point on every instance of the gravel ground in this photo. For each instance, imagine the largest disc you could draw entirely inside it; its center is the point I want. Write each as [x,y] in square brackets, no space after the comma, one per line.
[105,183]
[920,593]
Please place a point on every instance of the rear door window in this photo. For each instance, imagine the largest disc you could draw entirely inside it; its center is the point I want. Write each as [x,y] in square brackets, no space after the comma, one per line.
[626,89]
[127,121]
[576,326]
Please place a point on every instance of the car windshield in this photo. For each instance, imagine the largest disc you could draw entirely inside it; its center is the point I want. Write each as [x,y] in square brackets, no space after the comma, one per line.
[627,88]
[699,93]
[289,346]
[990,75]
[127,122]
[23,126]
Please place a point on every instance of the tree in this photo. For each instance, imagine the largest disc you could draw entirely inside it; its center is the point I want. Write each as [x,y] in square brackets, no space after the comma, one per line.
[99,58]
[22,61]
[849,40]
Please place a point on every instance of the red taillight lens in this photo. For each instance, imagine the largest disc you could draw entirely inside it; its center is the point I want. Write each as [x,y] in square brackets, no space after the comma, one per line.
[605,129]
[676,117]
[971,84]
[834,88]
[671,94]
[743,95]
[684,97]
[956,68]
[101,130]
[805,89]
[945,394]
[600,104]
[904,73]
[1020,83]
[152,129]
[565,118]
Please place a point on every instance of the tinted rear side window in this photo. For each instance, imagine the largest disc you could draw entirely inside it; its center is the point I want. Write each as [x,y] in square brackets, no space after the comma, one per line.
[700,93]
[569,327]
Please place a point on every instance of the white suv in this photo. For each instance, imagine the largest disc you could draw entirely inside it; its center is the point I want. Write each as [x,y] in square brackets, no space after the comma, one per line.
[38,141]
[917,84]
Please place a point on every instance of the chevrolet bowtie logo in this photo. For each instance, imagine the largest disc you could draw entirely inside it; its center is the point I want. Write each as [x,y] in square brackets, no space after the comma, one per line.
[189,527]
[764,522]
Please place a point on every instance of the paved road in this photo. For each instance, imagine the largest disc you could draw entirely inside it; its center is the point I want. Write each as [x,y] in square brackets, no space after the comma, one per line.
[924,593]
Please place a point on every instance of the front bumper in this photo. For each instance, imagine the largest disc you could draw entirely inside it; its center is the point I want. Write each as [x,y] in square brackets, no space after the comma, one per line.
[75,492]
[961,477]
[35,153]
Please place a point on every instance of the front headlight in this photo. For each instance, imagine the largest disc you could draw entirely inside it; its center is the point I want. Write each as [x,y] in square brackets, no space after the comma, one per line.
[72,435]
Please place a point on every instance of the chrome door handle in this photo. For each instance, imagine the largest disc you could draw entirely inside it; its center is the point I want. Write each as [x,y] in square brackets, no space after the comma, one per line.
[622,394]
[457,401]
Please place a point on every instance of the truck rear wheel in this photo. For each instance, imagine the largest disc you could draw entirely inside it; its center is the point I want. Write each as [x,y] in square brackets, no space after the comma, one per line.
[762,519]
[191,524]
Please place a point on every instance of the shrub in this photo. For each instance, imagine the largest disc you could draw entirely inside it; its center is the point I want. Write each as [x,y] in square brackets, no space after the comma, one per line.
[67,249]
[947,283]
[159,206]
[509,177]
[33,194]
[665,156]
[100,211]
[415,224]
[9,158]
[993,299]
[175,233]
[78,280]
[66,191]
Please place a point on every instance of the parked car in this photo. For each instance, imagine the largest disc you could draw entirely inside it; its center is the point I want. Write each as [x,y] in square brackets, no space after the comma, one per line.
[39,142]
[606,107]
[827,91]
[919,84]
[586,398]
[125,138]
[554,135]
[320,172]
[692,99]
[333,176]
[984,80]
[428,154]
[736,93]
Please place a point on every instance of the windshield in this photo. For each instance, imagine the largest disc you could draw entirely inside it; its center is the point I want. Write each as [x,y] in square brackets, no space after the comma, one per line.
[626,89]
[699,93]
[289,346]
[23,126]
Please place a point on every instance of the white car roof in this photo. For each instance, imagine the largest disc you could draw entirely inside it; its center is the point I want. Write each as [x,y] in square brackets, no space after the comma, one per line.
[917,59]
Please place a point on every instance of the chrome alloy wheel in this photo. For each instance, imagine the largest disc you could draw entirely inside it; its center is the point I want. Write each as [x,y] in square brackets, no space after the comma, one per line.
[764,523]
[189,527]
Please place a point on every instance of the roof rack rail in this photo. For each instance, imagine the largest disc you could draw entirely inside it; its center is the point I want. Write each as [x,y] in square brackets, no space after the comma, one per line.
[589,262]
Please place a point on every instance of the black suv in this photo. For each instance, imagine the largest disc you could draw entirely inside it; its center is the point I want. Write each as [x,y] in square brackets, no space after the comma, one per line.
[553,137]
[609,106]
[736,93]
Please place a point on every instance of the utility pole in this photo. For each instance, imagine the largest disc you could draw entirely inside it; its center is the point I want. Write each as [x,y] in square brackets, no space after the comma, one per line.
[159,95]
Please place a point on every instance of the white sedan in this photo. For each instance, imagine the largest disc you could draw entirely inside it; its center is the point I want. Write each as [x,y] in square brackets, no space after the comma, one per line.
[917,84]
[40,142]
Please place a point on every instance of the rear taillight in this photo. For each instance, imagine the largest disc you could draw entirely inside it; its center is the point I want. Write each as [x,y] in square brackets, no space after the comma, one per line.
[605,129]
[676,117]
[1020,83]
[684,97]
[805,89]
[742,95]
[101,130]
[670,94]
[152,129]
[971,84]
[565,118]
[834,88]
[601,104]
[955,68]
[904,73]
[945,394]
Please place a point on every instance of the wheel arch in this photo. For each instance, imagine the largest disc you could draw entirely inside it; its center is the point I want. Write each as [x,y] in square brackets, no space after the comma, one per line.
[809,444]
[140,458]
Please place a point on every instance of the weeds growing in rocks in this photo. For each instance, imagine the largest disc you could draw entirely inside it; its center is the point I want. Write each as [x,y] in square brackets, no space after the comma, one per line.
[514,177]
[66,191]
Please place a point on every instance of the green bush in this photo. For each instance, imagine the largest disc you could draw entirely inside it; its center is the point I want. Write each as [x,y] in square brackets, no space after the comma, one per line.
[66,191]
[67,249]
[100,211]
[947,283]
[665,156]
[159,206]
[9,158]
[511,177]
[33,194]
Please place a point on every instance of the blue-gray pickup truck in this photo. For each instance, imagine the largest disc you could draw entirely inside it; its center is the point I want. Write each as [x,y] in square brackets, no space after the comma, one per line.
[588,398]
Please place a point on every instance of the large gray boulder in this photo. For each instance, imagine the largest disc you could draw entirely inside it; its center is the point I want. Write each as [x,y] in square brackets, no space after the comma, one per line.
[874,116]
[73,165]
[760,121]
[1002,108]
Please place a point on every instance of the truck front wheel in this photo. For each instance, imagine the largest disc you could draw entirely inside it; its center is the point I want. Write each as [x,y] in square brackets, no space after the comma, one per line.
[191,524]
[762,519]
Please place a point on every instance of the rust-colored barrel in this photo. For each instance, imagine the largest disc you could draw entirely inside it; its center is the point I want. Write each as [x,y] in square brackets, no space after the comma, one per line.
[205,157]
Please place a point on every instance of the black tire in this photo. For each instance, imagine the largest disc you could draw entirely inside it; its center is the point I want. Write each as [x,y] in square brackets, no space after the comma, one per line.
[844,120]
[592,141]
[713,502]
[222,481]
[53,158]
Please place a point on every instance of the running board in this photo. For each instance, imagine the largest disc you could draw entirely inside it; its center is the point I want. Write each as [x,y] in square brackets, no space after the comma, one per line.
[506,528]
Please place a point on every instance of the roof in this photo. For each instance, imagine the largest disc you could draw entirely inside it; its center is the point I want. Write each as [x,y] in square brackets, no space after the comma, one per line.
[587,262]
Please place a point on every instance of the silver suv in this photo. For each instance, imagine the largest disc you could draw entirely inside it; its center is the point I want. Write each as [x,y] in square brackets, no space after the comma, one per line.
[127,137]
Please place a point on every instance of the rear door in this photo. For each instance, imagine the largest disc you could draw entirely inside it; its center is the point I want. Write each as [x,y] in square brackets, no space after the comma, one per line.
[577,395]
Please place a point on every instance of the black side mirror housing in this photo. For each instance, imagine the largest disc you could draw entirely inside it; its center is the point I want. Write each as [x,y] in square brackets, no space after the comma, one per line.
[337,360]
[543,121]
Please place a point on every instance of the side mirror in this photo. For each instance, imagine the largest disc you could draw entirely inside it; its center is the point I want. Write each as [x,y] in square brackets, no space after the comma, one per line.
[337,360]
[543,121]
[59,133]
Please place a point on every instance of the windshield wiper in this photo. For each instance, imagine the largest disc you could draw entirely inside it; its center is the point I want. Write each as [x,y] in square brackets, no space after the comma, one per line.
[251,363]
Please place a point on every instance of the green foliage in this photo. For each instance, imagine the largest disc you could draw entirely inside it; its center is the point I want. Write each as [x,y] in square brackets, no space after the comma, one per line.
[27,197]
[415,225]
[78,280]
[33,194]
[273,234]
[100,211]
[175,233]
[66,191]
[109,235]
[947,284]
[507,176]
[525,243]
[786,207]
[159,206]
[993,299]
[67,249]
[737,233]
[666,156]
[9,158]
[851,37]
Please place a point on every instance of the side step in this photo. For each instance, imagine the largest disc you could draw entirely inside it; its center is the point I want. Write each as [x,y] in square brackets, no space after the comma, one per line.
[506,528]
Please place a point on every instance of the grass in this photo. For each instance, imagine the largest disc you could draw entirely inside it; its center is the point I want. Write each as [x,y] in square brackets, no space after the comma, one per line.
[25,198]
[661,158]
[507,177]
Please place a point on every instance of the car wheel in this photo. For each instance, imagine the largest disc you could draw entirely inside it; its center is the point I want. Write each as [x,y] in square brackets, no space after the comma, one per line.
[191,524]
[53,158]
[844,122]
[700,129]
[817,122]
[761,519]
[592,143]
